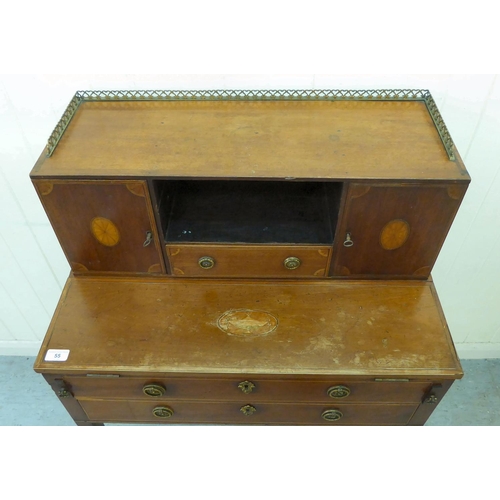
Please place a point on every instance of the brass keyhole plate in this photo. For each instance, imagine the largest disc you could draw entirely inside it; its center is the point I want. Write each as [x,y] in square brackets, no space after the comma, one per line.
[247,387]
[248,410]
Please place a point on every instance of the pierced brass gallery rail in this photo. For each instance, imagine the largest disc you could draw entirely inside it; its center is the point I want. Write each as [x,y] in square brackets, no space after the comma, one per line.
[252,95]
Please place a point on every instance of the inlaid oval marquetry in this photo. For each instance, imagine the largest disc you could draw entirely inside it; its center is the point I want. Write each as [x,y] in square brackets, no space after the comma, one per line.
[394,234]
[105,231]
[247,322]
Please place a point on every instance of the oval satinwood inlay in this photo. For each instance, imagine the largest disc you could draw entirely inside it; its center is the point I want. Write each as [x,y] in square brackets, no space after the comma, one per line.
[105,231]
[247,322]
[394,234]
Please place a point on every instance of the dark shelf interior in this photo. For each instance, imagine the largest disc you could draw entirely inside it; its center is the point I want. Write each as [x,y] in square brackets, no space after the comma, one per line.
[260,212]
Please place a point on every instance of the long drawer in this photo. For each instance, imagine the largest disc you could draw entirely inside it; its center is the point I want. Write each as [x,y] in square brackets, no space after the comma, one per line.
[286,261]
[247,412]
[258,389]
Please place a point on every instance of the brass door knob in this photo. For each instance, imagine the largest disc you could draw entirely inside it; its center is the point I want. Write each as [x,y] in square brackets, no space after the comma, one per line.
[163,412]
[332,415]
[247,387]
[248,410]
[154,390]
[338,391]
[206,262]
[292,263]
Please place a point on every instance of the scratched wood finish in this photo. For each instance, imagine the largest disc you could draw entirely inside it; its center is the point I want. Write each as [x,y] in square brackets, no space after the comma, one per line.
[251,140]
[158,326]
[102,225]
[421,216]
[249,260]
[387,341]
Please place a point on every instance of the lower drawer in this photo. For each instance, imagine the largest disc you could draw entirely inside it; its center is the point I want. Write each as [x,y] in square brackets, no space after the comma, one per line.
[233,388]
[247,413]
[288,261]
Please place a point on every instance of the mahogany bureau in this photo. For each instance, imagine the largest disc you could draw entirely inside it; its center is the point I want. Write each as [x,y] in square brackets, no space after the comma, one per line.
[250,257]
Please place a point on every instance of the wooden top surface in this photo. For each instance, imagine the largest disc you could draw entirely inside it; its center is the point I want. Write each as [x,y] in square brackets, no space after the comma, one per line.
[365,328]
[314,140]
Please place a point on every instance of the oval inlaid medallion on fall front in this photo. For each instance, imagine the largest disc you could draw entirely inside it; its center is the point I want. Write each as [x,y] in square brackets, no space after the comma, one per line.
[247,322]
[105,231]
[394,234]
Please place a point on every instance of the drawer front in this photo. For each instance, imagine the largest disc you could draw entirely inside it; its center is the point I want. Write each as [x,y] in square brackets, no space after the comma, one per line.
[247,412]
[289,261]
[233,389]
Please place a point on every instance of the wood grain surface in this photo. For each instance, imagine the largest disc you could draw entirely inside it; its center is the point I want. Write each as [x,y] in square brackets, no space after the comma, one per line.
[249,260]
[296,413]
[150,326]
[216,388]
[253,139]
[102,225]
[425,211]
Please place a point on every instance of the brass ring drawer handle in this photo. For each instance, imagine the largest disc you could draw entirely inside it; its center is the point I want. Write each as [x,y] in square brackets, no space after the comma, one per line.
[163,412]
[292,263]
[248,410]
[332,415]
[206,262]
[247,387]
[338,391]
[154,390]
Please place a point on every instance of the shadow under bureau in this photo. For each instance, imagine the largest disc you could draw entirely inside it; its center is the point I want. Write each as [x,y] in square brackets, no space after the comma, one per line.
[250,256]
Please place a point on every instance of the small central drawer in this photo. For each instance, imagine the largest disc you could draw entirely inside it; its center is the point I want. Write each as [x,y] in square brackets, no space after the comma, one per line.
[280,261]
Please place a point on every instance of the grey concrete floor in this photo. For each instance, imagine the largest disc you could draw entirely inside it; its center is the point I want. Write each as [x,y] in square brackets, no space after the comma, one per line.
[27,400]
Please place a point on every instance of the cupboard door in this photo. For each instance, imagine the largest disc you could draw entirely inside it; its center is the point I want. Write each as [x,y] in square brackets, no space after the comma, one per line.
[394,230]
[103,225]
